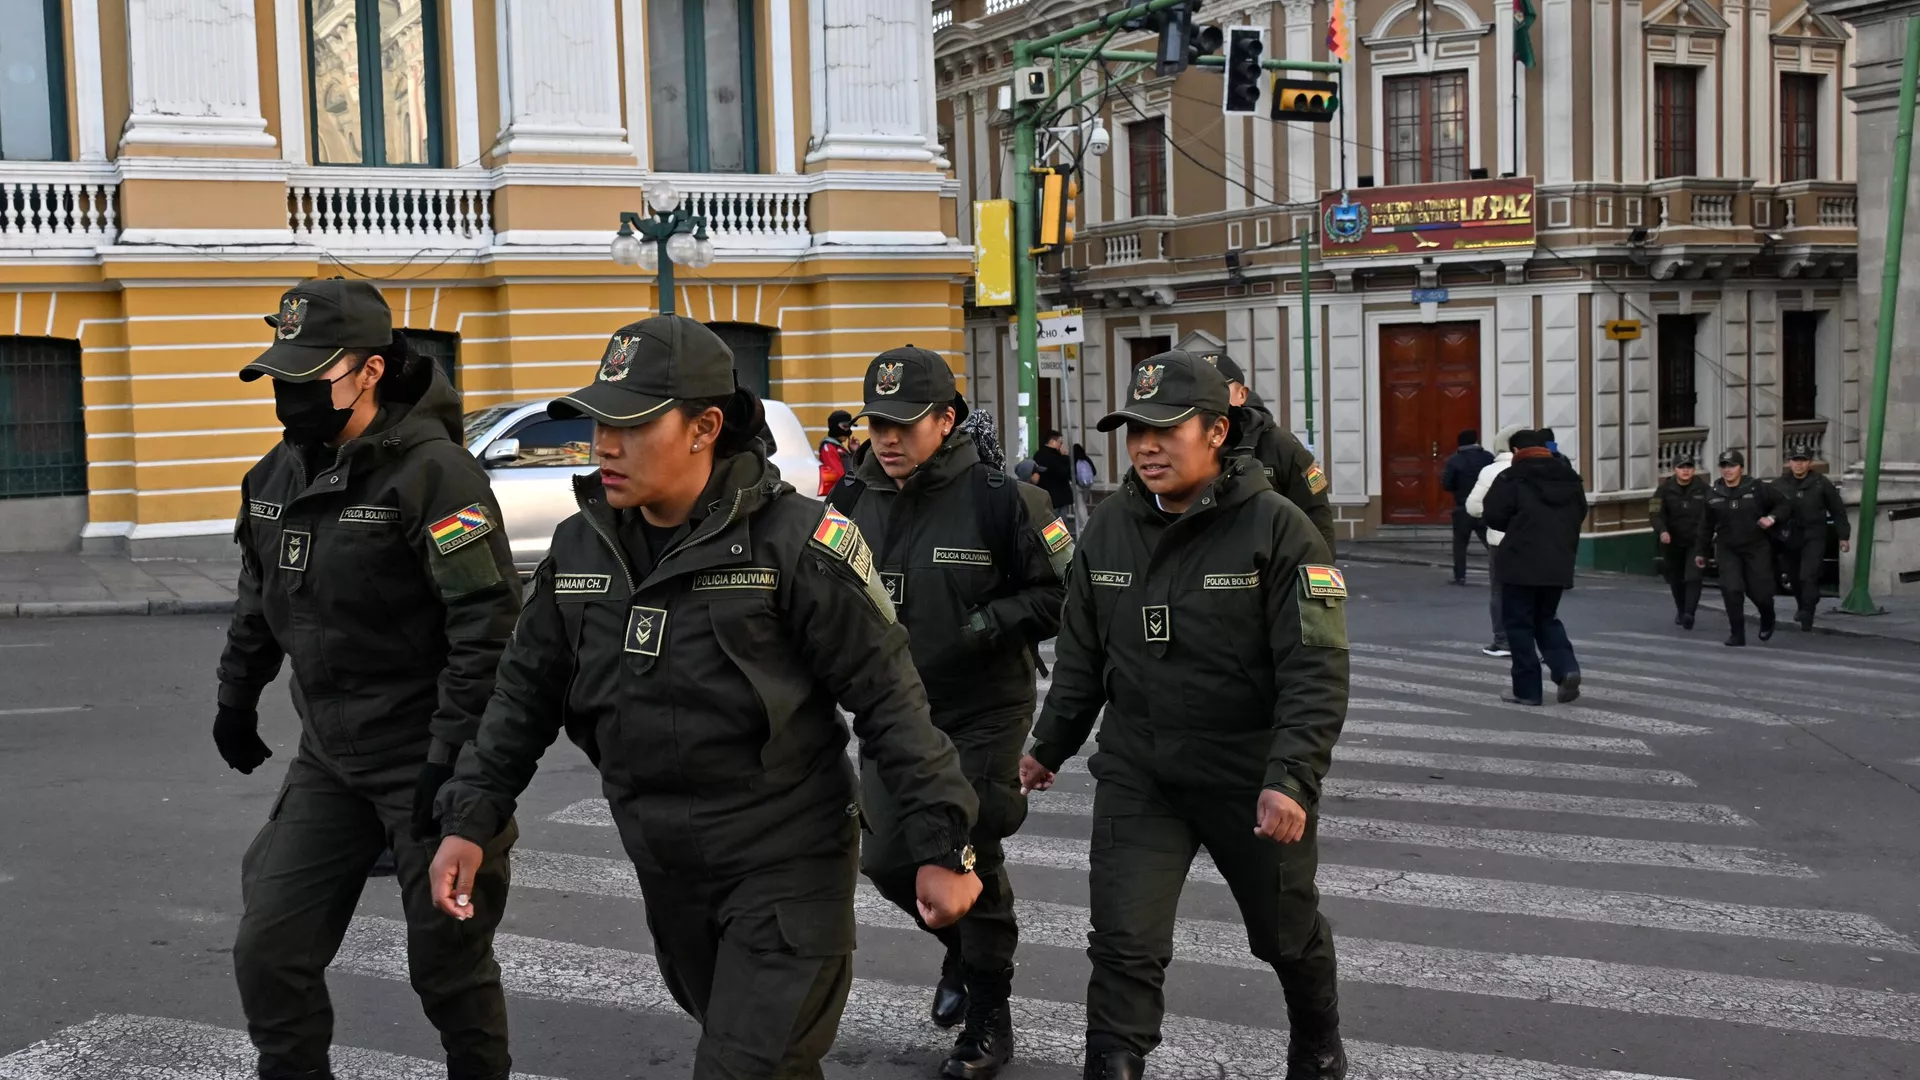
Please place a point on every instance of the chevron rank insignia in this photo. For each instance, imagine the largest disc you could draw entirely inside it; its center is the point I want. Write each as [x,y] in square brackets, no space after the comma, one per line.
[460,528]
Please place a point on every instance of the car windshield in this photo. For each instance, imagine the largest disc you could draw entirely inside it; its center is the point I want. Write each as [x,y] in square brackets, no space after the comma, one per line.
[477,422]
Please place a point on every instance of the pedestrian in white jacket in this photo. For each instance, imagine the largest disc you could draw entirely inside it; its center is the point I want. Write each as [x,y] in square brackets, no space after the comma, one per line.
[1502,448]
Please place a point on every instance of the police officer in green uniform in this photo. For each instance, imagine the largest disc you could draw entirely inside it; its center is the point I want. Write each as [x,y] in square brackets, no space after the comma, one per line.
[1677,512]
[1291,468]
[1812,501]
[1740,510]
[1203,614]
[975,565]
[372,559]
[691,630]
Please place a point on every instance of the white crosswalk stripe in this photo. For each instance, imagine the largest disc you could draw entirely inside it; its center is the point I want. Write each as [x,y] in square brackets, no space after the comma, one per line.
[1798,659]
[155,1048]
[1556,770]
[1489,699]
[1048,1032]
[1588,692]
[1604,744]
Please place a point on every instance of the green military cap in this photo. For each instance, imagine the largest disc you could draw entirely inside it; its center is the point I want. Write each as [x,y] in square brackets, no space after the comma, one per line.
[1228,367]
[1732,457]
[906,384]
[318,320]
[649,366]
[1168,388]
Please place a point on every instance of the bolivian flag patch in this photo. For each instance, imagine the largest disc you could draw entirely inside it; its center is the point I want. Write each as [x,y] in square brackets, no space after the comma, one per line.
[1056,536]
[1324,582]
[836,533]
[460,528]
[1316,478]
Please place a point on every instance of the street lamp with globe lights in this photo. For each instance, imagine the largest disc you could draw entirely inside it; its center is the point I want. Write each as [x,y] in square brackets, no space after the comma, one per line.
[668,234]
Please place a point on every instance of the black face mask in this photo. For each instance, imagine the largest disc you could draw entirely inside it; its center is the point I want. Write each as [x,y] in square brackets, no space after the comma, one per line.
[307,410]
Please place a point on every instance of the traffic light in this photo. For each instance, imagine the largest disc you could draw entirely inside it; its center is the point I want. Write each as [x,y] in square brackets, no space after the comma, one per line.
[1181,43]
[1240,92]
[1305,100]
[1059,190]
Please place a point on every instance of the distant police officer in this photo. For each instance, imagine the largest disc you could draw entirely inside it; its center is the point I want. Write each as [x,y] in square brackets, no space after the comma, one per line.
[1291,468]
[976,566]
[1740,510]
[691,629]
[1812,501]
[1677,511]
[1203,614]
[371,557]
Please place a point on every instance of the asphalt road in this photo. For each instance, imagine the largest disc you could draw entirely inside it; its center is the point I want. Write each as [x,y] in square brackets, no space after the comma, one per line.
[1703,869]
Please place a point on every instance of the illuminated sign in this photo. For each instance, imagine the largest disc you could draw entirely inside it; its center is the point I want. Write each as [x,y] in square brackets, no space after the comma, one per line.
[1423,219]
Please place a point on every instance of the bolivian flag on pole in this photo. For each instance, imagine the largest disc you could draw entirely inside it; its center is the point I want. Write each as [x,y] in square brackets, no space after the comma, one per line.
[1337,46]
[1523,19]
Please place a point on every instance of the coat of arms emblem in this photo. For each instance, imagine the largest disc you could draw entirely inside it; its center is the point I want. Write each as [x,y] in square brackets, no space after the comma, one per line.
[1146,381]
[619,357]
[293,313]
[887,379]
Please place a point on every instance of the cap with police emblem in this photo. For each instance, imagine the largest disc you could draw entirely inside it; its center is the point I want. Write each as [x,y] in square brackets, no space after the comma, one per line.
[648,367]
[1168,388]
[1683,461]
[906,384]
[318,320]
[1800,453]
[1732,457]
[1228,367]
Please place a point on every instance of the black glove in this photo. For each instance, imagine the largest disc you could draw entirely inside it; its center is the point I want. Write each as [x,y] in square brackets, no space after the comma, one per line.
[236,732]
[979,631]
[432,776]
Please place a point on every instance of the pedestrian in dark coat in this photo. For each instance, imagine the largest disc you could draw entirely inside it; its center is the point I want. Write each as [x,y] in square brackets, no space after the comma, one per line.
[1457,479]
[1539,503]
[1812,501]
[1740,513]
[1677,512]
[1291,468]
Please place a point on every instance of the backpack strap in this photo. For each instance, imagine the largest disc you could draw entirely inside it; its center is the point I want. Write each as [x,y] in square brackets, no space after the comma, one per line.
[846,494]
[994,496]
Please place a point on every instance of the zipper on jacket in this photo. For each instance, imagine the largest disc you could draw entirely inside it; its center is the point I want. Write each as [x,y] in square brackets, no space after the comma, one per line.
[633,587]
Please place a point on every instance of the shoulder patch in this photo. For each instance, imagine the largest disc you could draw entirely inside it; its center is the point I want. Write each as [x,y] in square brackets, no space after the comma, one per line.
[1324,582]
[460,528]
[837,533]
[1316,478]
[1056,535]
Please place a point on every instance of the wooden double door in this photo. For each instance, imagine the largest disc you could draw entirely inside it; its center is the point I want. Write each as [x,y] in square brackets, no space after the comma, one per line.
[1429,393]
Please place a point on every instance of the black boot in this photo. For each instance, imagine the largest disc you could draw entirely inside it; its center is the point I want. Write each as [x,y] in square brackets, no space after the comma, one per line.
[986,1043]
[1766,623]
[266,1073]
[1115,1065]
[1320,1056]
[1737,630]
[1686,620]
[950,993]
[1806,622]
[383,866]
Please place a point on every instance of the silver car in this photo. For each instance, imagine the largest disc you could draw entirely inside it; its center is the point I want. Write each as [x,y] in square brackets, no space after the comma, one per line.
[532,459]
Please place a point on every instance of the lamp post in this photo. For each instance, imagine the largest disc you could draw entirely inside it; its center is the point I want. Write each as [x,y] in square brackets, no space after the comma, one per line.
[669,234]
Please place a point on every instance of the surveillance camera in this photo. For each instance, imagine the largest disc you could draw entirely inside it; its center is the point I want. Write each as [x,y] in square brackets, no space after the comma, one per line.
[1099,141]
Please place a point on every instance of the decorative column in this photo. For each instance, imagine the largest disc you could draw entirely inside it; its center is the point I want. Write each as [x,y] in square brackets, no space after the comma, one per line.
[1302,168]
[1556,63]
[870,80]
[88,93]
[193,75]
[559,79]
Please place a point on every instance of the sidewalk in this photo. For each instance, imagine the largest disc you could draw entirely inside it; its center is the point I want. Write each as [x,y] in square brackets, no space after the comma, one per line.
[1901,625]
[68,583]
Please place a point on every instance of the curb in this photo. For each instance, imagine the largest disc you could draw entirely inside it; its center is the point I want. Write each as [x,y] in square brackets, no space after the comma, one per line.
[171,605]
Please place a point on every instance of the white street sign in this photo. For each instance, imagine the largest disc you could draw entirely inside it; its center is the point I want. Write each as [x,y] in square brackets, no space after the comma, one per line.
[1051,332]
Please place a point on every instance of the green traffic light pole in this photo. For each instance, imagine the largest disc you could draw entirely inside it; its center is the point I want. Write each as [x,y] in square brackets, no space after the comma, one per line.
[1859,601]
[1027,115]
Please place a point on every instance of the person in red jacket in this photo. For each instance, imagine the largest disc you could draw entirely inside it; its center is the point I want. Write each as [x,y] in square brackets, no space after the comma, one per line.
[837,450]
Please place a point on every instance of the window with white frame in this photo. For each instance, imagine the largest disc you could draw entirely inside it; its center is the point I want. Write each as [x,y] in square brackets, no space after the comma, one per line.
[375,90]
[1676,121]
[1799,127]
[1147,166]
[33,97]
[1426,121]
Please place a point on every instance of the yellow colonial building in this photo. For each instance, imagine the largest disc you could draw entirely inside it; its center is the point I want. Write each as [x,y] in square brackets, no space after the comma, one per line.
[168,167]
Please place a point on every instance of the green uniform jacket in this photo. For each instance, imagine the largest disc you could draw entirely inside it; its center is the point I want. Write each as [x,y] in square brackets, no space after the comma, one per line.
[939,571]
[1734,513]
[1221,661]
[705,691]
[393,634]
[1679,510]
[1810,502]
[1291,468]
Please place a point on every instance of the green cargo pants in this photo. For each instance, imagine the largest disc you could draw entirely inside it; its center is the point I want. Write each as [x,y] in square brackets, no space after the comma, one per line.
[300,882]
[1145,837]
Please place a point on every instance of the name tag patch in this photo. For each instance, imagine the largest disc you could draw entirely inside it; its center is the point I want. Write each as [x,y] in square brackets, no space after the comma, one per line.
[295,547]
[896,585]
[748,577]
[1231,581]
[264,510]
[577,584]
[1115,579]
[371,515]
[961,557]
[646,627]
[1158,622]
